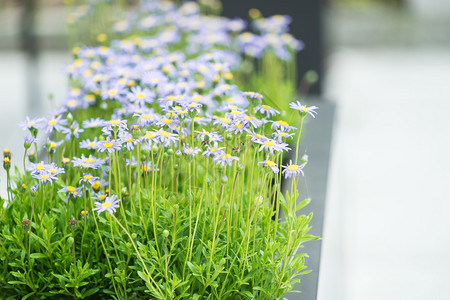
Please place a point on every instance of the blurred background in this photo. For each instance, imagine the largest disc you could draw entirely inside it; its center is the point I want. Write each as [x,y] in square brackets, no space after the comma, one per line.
[384,67]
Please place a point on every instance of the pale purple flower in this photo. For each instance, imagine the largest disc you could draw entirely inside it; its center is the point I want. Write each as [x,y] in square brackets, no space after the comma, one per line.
[92,123]
[110,204]
[267,110]
[270,164]
[253,95]
[71,191]
[88,178]
[191,151]
[87,162]
[213,151]
[272,145]
[303,109]
[292,170]
[44,177]
[225,158]
[54,123]
[281,125]
[280,135]
[88,144]
[108,145]
[34,123]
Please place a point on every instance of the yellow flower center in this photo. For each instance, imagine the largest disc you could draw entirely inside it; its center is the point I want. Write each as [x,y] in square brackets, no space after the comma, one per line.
[213,150]
[225,120]
[112,92]
[140,96]
[52,122]
[130,140]
[265,106]
[115,122]
[197,98]
[258,136]
[44,176]
[146,116]
[39,167]
[150,135]
[101,196]
[52,145]
[248,118]
[53,171]
[196,119]
[87,177]
[70,189]
[107,145]
[292,167]
[225,156]
[167,121]
[30,123]
[96,185]
[171,98]
[235,112]
[270,163]
[269,143]
[106,204]
[238,126]
[165,134]
[91,144]
[283,123]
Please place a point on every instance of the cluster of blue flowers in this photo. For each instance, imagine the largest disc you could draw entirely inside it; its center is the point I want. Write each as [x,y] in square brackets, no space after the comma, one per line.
[162,94]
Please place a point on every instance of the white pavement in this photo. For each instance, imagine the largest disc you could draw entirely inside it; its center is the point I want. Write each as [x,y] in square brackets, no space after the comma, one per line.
[387,224]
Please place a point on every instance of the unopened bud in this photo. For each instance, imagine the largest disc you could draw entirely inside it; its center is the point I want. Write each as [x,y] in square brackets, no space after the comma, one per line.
[72,224]
[6,153]
[26,224]
[166,233]
[6,163]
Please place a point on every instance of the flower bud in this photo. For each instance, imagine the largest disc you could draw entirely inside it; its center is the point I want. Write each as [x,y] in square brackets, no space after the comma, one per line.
[31,156]
[96,186]
[166,233]
[70,240]
[6,163]
[84,213]
[170,151]
[26,224]
[133,236]
[69,118]
[6,153]
[72,224]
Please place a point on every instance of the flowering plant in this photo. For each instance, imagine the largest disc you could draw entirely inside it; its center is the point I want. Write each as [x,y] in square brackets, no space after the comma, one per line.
[162,179]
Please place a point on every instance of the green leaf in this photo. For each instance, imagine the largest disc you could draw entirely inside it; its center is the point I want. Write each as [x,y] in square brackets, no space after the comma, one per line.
[91,292]
[16,282]
[303,203]
[38,255]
